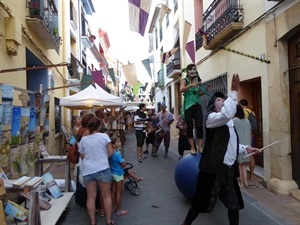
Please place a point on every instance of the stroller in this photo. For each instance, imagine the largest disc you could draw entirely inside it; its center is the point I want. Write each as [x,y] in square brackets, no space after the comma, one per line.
[131,184]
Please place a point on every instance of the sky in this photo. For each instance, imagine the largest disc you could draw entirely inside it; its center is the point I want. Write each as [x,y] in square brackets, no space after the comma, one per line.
[112,16]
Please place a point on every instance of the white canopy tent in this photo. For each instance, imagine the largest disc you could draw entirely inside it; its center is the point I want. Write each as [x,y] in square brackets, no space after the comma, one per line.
[92,96]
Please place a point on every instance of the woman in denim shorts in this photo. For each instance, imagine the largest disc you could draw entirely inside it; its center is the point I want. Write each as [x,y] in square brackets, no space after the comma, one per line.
[95,150]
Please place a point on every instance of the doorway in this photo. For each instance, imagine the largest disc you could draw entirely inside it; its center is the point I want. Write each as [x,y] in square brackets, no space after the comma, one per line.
[294,81]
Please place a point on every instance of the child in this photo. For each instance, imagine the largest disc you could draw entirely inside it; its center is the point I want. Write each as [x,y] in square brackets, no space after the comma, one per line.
[117,163]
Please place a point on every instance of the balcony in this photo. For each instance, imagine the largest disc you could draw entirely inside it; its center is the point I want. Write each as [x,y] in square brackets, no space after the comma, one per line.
[160,79]
[221,21]
[174,69]
[43,20]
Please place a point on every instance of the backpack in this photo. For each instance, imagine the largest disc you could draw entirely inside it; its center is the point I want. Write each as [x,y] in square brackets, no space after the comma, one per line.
[73,154]
[253,121]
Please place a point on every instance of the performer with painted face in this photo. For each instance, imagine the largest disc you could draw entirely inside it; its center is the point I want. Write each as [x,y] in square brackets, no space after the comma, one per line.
[218,165]
[192,110]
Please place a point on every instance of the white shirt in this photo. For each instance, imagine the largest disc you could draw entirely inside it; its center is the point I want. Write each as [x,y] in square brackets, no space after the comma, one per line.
[94,148]
[216,119]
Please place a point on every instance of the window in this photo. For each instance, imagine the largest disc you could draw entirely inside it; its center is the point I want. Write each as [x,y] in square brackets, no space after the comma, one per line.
[57,115]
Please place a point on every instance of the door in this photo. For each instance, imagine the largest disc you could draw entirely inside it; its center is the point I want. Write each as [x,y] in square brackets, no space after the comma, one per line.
[257,108]
[294,77]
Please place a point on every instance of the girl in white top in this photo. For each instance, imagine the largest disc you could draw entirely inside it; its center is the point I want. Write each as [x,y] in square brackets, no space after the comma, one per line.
[95,150]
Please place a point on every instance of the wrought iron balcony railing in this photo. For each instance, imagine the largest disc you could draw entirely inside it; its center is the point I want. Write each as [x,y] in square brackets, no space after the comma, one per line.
[43,18]
[221,21]
[173,68]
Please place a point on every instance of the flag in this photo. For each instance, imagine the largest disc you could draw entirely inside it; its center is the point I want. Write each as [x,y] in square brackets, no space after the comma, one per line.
[190,48]
[163,11]
[186,33]
[130,97]
[130,74]
[144,87]
[138,15]
[98,78]
[112,75]
[146,63]
[85,80]
[136,89]
[165,57]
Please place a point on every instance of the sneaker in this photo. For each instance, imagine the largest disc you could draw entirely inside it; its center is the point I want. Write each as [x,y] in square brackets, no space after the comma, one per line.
[145,152]
[140,159]
[122,212]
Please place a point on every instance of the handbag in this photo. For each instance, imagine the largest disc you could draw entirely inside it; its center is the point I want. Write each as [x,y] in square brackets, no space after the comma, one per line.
[73,154]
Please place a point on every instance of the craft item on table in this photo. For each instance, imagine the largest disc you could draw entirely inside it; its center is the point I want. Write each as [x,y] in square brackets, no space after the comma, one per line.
[16,211]
[52,186]
[33,181]
[44,203]
[21,181]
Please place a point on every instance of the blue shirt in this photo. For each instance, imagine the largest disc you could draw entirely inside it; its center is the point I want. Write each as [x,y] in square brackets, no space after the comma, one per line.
[115,163]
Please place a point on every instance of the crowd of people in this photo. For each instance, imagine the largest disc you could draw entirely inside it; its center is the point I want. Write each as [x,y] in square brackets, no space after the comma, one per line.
[100,171]
[223,165]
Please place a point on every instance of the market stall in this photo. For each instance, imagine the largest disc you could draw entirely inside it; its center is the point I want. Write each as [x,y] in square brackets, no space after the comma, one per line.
[95,97]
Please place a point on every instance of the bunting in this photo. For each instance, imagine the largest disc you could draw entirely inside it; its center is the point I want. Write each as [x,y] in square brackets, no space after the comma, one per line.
[165,56]
[130,74]
[138,15]
[146,63]
[163,11]
[98,78]
[112,75]
[136,89]
[186,33]
[144,87]
[190,48]
[85,81]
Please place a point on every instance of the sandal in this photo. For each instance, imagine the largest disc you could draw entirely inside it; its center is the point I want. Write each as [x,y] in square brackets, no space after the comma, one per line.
[122,212]
[112,223]
[200,150]
[100,213]
[140,159]
[193,152]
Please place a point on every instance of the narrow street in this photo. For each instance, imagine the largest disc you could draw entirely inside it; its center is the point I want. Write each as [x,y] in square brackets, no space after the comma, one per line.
[160,202]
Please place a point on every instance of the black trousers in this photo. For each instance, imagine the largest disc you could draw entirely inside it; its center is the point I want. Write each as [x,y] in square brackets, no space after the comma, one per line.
[193,115]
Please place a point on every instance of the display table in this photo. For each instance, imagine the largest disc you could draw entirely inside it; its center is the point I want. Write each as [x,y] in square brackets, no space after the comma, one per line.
[50,216]
[54,159]
[17,189]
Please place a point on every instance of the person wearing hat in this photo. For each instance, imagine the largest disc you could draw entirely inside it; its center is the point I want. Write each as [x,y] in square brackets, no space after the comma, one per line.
[192,88]
[164,120]
[218,165]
